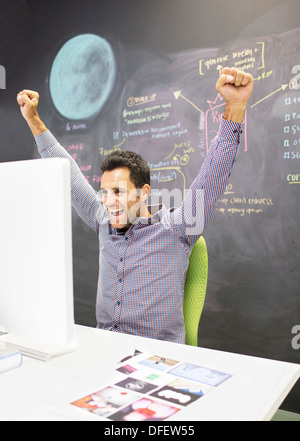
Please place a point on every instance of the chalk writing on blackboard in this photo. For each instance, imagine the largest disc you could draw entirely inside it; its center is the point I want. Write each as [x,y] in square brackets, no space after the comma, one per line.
[291,126]
[233,204]
[243,58]
[167,174]
[137,101]
[75,126]
[116,148]
[293,178]
[295,81]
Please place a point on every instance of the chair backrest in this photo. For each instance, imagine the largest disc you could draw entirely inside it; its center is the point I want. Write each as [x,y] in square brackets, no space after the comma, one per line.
[195,290]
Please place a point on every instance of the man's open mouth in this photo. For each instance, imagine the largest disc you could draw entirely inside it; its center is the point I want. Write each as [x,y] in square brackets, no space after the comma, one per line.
[116,213]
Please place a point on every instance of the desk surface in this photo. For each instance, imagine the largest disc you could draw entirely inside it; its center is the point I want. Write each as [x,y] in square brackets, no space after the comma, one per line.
[43,390]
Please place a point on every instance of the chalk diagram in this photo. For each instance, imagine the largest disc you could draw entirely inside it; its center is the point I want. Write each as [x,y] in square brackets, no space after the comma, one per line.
[82,78]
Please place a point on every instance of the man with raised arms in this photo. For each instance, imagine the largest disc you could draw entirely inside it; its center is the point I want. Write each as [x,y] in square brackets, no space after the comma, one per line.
[143,257]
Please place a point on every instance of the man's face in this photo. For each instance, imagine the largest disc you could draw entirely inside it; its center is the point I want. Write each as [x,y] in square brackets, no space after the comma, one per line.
[120,197]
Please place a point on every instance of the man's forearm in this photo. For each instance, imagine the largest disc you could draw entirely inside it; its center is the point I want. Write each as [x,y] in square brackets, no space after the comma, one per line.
[36,126]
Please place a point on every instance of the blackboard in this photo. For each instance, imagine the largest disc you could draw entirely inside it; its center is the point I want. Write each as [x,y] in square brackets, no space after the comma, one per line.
[162,63]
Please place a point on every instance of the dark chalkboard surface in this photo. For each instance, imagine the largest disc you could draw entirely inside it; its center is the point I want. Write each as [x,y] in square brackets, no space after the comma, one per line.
[142,77]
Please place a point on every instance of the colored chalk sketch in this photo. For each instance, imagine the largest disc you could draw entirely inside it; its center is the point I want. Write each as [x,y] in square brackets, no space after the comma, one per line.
[82,76]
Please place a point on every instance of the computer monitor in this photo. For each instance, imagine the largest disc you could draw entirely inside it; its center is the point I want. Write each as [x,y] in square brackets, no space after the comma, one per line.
[36,276]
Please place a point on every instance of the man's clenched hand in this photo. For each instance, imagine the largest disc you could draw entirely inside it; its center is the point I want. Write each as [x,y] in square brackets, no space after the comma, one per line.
[28,101]
[236,87]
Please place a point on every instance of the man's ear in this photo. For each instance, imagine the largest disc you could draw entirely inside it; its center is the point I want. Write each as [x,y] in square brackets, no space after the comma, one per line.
[145,191]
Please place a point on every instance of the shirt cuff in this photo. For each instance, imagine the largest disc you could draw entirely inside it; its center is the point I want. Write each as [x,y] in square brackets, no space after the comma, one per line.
[45,140]
[230,129]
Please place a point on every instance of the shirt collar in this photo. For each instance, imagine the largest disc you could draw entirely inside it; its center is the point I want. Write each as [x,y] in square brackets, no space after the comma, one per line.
[156,212]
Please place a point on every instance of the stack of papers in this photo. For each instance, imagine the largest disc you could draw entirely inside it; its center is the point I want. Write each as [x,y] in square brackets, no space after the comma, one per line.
[33,348]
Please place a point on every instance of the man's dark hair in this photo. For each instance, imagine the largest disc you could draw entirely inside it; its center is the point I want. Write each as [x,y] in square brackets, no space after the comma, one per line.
[139,169]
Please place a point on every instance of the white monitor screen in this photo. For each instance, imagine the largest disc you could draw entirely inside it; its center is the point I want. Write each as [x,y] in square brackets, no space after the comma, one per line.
[36,277]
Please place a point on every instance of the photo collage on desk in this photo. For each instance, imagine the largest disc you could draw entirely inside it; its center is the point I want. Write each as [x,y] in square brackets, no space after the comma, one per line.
[151,388]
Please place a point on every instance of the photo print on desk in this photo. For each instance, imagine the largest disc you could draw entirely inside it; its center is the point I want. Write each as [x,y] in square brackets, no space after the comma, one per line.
[145,409]
[105,401]
[160,363]
[151,388]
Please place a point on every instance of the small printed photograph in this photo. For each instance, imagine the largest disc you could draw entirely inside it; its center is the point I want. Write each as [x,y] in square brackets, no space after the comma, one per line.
[145,409]
[175,396]
[136,385]
[145,374]
[126,369]
[200,374]
[158,377]
[190,386]
[152,377]
[160,363]
[128,357]
[105,401]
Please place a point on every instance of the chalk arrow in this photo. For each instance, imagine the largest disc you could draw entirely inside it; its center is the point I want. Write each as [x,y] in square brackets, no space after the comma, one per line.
[283,87]
[178,94]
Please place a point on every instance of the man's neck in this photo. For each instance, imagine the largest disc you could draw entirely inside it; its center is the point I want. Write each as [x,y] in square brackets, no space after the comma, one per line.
[143,212]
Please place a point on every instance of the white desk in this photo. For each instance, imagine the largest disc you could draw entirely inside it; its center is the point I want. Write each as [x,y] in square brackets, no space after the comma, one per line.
[43,391]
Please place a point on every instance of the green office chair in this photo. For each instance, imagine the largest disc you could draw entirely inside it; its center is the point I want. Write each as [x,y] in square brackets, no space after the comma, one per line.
[195,290]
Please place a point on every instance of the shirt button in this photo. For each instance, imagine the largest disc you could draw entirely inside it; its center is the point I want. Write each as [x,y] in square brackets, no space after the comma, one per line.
[118,303]
[120,280]
[121,260]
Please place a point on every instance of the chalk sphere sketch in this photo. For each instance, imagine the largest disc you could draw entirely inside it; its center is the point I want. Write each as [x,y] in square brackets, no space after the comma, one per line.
[82,76]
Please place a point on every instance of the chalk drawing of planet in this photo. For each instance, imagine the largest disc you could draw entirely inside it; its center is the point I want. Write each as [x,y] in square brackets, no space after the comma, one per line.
[82,76]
